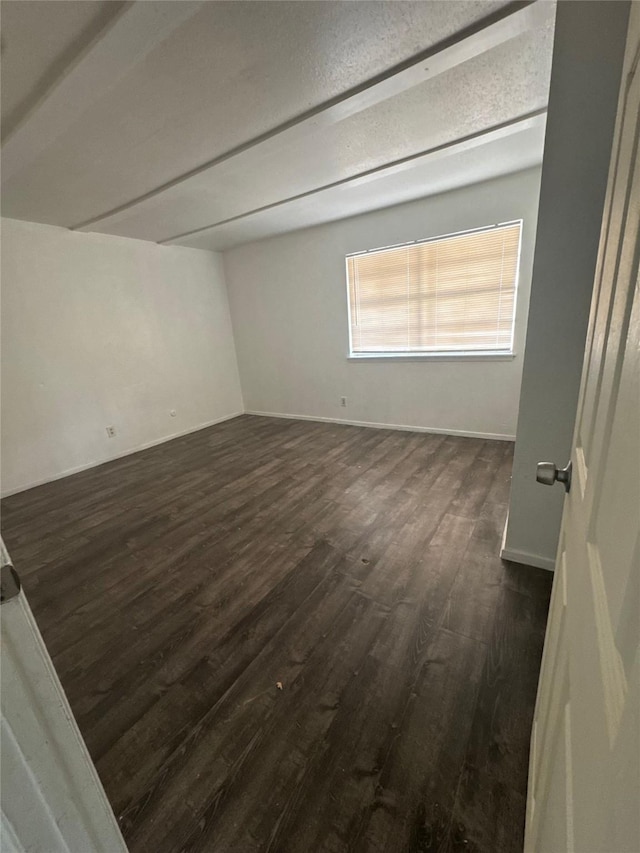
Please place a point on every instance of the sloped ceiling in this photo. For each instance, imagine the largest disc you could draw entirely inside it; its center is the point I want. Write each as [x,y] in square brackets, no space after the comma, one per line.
[208,124]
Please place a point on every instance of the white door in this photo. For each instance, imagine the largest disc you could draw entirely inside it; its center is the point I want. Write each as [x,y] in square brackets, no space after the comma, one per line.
[51,797]
[584,780]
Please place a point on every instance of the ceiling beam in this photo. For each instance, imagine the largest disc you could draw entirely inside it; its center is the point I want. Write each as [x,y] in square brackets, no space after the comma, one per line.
[132,35]
[448,149]
[502,26]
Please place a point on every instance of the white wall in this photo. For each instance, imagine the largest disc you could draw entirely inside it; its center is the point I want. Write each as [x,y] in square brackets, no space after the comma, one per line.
[289,311]
[100,330]
[587,63]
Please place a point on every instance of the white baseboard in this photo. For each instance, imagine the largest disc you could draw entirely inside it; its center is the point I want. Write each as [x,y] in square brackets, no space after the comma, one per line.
[85,467]
[503,541]
[404,427]
[536,560]
[374,425]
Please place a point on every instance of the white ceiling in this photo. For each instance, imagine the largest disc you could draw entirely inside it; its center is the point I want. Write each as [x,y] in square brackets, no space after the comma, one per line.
[39,40]
[209,124]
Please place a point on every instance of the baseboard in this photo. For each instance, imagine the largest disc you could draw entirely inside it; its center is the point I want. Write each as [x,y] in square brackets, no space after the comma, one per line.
[374,425]
[503,541]
[516,556]
[371,424]
[85,467]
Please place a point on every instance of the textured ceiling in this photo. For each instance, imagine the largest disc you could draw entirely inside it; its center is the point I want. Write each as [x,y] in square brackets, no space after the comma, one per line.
[160,119]
[39,40]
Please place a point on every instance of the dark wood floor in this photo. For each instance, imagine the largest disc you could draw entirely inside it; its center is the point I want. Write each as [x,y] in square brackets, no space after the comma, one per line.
[358,567]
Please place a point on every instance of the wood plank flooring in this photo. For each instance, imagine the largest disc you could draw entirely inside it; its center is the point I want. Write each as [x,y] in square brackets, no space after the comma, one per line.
[357,567]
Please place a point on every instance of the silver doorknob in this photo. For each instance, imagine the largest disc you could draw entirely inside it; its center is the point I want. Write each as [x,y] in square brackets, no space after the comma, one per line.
[547,473]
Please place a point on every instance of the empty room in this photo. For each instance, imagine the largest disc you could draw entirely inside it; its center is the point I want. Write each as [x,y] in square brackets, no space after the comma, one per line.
[320,448]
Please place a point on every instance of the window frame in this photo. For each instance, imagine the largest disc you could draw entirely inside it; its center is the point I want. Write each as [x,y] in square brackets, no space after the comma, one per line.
[438,355]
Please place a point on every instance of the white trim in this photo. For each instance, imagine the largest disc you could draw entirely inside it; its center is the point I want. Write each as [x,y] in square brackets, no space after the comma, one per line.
[76,470]
[122,44]
[503,541]
[371,424]
[533,120]
[425,66]
[471,354]
[55,799]
[374,425]
[517,556]
[9,836]
[414,355]
[450,235]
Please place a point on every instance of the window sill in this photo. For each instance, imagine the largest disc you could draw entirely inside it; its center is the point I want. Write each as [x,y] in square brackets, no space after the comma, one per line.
[434,356]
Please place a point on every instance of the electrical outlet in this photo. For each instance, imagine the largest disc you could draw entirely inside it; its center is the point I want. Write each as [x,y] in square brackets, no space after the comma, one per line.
[111,431]
[172,413]
[343,401]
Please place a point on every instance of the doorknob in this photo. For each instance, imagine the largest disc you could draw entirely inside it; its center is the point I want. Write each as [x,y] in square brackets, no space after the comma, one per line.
[547,473]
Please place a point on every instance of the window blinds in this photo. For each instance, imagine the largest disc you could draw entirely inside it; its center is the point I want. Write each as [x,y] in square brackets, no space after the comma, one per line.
[449,294]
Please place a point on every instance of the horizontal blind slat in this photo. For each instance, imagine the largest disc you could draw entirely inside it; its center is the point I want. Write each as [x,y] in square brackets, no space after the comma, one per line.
[457,292]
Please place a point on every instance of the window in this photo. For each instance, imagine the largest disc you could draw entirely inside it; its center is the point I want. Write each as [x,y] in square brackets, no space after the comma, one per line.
[452,295]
